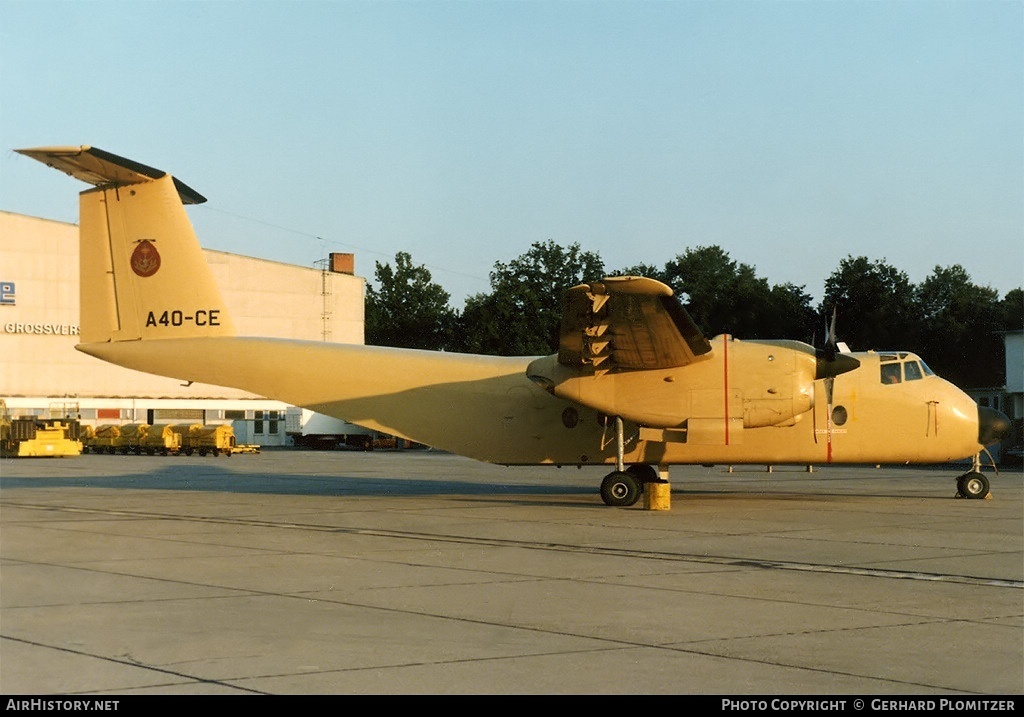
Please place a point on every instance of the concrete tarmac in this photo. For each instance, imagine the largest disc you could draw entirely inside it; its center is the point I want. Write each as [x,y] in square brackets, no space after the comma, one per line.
[415,572]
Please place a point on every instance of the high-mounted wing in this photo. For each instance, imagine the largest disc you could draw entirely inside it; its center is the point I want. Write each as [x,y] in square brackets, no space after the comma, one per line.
[627,322]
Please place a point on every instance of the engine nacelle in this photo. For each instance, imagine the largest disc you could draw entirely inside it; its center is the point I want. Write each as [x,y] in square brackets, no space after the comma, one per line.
[762,383]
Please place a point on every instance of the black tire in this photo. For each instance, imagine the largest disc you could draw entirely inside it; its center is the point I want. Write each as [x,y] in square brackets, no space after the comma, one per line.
[620,489]
[972,485]
[644,472]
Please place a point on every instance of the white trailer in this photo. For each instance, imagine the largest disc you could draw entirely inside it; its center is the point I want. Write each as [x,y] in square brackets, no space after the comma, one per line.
[314,430]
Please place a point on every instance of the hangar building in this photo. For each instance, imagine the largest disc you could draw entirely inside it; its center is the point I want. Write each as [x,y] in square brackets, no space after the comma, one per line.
[42,374]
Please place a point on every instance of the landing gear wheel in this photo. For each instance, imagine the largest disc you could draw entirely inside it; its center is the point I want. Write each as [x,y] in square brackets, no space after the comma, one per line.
[620,489]
[972,485]
[644,472]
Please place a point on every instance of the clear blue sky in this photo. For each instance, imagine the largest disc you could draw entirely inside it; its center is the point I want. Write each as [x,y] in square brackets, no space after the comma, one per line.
[792,134]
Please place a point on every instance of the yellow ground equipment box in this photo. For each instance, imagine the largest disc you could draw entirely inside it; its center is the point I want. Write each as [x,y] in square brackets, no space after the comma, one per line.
[161,438]
[105,438]
[132,437]
[204,439]
[34,437]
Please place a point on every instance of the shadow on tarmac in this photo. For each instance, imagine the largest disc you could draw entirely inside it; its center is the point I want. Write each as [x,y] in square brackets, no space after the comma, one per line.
[227,481]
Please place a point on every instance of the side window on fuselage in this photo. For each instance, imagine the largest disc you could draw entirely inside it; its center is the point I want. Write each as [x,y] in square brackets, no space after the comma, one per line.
[891,373]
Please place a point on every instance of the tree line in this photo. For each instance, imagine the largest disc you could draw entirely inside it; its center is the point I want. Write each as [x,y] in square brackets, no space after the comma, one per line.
[954,324]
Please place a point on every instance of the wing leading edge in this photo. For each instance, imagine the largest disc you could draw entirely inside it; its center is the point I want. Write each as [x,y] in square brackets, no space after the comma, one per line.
[627,322]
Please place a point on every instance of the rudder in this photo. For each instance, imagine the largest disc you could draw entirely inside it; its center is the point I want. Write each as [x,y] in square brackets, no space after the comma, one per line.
[143,273]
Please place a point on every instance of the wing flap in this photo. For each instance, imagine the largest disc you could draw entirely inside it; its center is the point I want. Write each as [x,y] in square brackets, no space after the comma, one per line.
[627,322]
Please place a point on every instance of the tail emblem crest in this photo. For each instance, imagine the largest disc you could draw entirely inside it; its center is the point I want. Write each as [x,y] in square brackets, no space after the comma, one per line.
[145,259]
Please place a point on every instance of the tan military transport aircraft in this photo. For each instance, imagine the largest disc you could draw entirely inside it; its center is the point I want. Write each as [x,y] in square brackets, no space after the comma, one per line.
[634,385]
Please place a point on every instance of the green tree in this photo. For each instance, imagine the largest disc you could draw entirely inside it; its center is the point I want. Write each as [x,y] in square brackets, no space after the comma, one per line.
[522,314]
[725,296]
[705,278]
[408,310]
[1011,309]
[648,270]
[875,304]
[789,315]
[960,328]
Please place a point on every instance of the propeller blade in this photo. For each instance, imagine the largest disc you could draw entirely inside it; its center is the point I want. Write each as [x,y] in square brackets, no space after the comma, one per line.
[830,361]
[830,337]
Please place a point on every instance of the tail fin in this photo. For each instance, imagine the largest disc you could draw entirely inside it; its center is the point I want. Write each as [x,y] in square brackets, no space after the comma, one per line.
[143,273]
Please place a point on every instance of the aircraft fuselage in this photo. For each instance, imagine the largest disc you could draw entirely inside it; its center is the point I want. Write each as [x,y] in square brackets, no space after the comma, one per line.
[752,402]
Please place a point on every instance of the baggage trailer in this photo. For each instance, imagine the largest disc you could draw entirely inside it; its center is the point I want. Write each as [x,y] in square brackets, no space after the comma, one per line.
[203,439]
[132,437]
[161,438]
[105,438]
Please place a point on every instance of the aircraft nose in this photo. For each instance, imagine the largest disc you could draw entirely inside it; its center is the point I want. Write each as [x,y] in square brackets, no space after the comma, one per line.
[993,426]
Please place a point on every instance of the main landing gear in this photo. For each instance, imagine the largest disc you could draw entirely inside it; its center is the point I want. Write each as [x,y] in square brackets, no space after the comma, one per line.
[973,484]
[623,487]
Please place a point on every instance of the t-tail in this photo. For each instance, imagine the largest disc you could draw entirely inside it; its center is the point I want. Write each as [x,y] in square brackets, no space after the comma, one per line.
[143,273]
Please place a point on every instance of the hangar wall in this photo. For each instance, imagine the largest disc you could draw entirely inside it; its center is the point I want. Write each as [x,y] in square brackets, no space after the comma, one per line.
[39,302]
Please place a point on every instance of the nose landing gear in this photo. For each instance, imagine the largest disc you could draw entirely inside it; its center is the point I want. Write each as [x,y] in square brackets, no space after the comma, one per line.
[973,484]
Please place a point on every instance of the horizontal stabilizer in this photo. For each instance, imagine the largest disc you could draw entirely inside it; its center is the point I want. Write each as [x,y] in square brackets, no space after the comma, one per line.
[103,169]
[142,272]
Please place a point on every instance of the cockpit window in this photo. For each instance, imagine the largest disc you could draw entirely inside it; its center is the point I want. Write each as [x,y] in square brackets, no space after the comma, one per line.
[912,371]
[891,373]
[899,367]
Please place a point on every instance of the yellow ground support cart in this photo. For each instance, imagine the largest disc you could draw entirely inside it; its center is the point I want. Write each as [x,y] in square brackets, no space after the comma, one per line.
[161,438]
[204,439]
[105,438]
[133,435]
[33,437]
